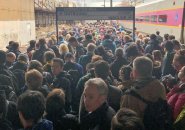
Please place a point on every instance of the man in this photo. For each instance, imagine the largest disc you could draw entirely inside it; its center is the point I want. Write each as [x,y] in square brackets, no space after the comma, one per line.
[150,89]
[61,80]
[102,70]
[97,114]
[31,106]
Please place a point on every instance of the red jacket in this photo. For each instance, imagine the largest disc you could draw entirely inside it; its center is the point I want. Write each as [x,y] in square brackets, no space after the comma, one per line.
[176,99]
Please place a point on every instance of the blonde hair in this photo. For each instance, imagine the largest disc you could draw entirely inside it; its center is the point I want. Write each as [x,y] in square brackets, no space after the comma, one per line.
[63,48]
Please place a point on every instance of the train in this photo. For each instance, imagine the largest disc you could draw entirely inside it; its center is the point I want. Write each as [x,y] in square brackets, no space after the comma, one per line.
[166,16]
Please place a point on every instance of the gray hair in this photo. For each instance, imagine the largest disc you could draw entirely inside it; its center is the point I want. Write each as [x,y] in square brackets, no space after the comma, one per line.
[99,84]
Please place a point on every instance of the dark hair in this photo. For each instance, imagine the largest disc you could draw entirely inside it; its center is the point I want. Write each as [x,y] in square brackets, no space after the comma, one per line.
[126,119]
[32,43]
[23,57]
[171,37]
[157,32]
[132,51]
[166,36]
[180,57]
[88,37]
[72,39]
[2,57]
[101,69]
[59,61]
[14,45]
[126,71]
[119,52]
[32,105]
[153,36]
[107,36]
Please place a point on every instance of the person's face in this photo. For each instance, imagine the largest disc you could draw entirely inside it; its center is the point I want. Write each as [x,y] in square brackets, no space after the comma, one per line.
[92,98]
[56,68]
[181,74]
[177,66]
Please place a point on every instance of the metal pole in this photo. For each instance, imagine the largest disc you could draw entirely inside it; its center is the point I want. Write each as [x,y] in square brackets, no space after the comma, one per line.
[134,25]
[84,3]
[110,3]
[57,24]
[104,3]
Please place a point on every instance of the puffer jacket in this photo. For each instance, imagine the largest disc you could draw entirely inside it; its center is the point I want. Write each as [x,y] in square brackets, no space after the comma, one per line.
[176,99]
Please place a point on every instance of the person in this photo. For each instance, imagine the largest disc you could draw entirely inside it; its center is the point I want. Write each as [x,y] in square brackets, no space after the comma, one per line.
[150,89]
[39,53]
[4,123]
[125,77]
[61,80]
[176,97]
[55,112]
[15,49]
[48,57]
[31,106]
[31,48]
[102,70]
[108,43]
[167,67]
[159,38]
[117,63]
[153,44]
[85,59]
[33,80]
[97,114]
[126,119]
[88,39]
[10,59]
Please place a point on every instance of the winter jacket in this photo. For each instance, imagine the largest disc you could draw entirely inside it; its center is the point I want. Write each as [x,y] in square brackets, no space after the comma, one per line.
[150,89]
[100,119]
[176,99]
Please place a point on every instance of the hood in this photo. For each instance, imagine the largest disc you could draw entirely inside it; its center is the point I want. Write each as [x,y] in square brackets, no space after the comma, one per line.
[43,125]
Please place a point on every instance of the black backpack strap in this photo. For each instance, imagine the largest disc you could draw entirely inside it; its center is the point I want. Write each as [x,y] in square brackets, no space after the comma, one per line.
[135,94]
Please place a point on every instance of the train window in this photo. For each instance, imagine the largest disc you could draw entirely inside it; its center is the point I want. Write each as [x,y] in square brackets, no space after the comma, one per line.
[147,18]
[162,18]
[154,18]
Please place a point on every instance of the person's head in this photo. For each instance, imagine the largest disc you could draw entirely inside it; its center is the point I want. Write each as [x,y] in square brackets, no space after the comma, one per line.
[157,55]
[181,74]
[171,37]
[23,58]
[176,44]
[33,79]
[157,32]
[91,47]
[10,57]
[15,46]
[48,56]
[126,119]
[95,94]
[125,73]
[168,46]
[2,57]
[142,67]
[127,38]
[73,41]
[3,105]
[152,36]
[132,52]
[102,69]
[35,64]
[30,106]
[107,36]
[32,43]
[96,58]
[55,102]
[69,57]
[63,48]
[179,60]
[119,52]
[57,66]
[166,36]
[88,37]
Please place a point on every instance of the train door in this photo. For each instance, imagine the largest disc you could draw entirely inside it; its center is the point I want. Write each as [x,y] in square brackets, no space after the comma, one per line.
[183,26]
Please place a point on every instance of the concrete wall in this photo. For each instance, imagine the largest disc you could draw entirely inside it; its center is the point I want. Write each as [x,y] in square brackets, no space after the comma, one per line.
[17,21]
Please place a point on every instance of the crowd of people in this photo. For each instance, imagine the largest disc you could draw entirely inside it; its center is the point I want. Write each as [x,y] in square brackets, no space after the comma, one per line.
[94,77]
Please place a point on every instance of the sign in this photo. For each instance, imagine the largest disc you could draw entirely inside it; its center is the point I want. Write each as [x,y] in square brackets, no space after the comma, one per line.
[95,13]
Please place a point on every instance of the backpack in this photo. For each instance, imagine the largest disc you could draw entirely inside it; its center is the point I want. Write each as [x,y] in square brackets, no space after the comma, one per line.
[157,115]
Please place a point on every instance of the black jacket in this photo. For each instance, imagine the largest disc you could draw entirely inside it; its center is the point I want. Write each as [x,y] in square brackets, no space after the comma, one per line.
[99,119]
